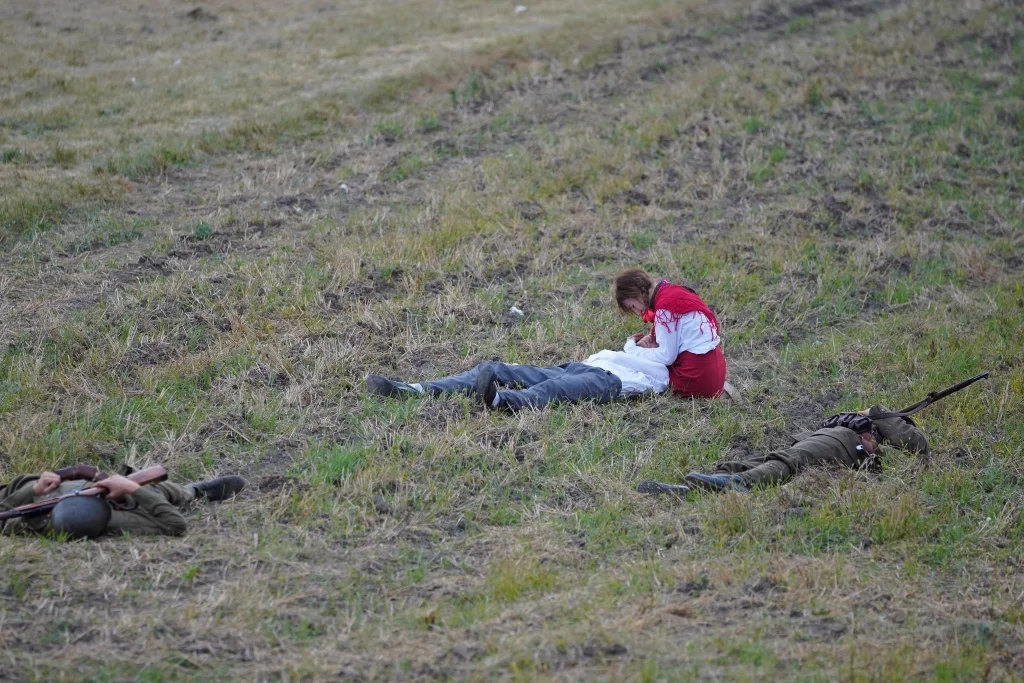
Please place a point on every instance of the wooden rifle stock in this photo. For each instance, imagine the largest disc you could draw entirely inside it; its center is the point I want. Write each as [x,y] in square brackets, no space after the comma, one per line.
[150,475]
[87,472]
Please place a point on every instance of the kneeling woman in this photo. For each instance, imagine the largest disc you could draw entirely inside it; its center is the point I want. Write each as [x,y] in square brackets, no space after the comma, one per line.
[684,333]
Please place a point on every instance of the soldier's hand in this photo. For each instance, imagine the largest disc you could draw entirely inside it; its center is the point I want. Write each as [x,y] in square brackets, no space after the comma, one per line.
[117,486]
[47,482]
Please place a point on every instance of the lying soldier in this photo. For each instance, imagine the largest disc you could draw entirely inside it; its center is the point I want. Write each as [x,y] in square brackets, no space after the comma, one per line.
[848,439]
[126,506]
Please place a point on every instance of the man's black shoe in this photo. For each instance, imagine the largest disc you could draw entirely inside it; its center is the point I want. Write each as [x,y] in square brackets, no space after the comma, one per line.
[656,487]
[487,387]
[715,482]
[382,386]
[219,488]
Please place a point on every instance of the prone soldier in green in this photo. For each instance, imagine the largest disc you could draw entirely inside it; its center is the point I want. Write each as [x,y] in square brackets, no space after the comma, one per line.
[134,509]
[855,445]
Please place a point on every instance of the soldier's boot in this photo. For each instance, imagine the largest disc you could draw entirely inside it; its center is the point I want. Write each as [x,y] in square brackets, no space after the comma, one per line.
[219,488]
[657,487]
[382,386]
[487,387]
[715,482]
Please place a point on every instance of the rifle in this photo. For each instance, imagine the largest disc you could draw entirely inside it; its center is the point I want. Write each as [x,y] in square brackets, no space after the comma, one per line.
[150,475]
[933,397]
[862,423]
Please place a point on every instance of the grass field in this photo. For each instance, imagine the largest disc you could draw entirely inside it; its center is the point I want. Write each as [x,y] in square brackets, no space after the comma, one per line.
[216,220]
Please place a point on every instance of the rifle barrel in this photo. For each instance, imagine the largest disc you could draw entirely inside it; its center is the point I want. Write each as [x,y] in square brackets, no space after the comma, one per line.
[939,395]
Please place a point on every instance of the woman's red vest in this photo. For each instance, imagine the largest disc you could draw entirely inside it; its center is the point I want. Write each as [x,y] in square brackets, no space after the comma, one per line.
[690,374]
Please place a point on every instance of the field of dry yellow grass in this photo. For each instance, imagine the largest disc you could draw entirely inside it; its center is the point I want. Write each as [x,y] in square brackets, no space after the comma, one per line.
[216,219]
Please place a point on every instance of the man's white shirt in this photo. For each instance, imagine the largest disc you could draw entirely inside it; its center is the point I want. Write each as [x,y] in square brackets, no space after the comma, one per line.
[638,375]
[646,370]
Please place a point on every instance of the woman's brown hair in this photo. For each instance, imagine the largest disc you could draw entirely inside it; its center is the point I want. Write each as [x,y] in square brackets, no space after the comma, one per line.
[633,283]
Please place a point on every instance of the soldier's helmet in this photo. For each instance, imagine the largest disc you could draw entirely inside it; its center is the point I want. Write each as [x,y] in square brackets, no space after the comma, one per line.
[80,517]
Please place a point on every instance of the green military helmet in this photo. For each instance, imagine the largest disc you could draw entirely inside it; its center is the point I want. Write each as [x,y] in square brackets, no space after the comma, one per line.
[80,517]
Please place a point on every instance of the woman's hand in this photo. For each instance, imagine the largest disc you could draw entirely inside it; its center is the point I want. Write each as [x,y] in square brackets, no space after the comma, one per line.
[46,482]
[647,342]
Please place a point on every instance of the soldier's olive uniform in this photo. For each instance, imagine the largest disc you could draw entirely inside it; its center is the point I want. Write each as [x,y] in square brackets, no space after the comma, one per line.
[152,509]
[830,445]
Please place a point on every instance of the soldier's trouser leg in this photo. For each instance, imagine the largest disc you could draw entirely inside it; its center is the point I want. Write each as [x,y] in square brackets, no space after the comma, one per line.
[176,494]
[579,382]
[509,375]
[756,470]
[779,466]
[767,473]
[739,466]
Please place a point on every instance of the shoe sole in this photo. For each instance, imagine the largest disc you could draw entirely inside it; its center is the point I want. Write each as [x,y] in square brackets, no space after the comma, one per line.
[483,386]
[657,488]
[381,386]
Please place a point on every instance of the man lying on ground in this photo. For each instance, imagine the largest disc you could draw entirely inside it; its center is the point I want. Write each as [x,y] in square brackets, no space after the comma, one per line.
[603,377]
[127,506]
[850,439]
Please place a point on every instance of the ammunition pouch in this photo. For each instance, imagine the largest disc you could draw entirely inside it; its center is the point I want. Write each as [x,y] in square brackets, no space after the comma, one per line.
[853,421]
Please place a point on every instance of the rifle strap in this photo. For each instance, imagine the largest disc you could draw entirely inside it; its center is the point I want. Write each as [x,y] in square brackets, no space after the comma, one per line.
[898,414]
[907,412]
[860,423]
[883,416]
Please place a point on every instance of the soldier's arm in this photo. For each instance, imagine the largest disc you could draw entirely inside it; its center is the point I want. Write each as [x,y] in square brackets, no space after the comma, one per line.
[152,514]
[19,492]
[899,433]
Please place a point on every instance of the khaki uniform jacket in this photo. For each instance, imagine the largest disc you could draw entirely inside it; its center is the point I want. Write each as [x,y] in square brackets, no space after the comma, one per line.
[150,510]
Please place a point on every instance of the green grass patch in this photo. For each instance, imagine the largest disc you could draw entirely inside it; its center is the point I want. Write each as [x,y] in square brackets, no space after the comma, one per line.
[389,130]
[11,156]
[202,231]
[62,156]
[153,161]
[41,209]
[754,125]
[510,581]
[797,25]
[109,235]
[332,465]
[428,123]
